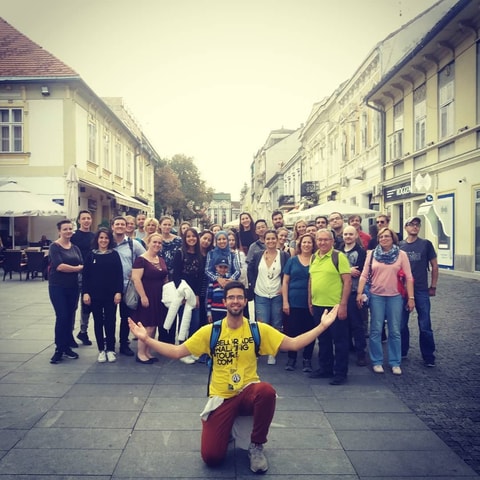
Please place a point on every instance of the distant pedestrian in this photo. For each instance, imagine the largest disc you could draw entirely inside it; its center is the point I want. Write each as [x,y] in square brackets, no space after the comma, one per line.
[423,258]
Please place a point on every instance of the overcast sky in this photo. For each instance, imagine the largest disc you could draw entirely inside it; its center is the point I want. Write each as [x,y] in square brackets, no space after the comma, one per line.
[211,78]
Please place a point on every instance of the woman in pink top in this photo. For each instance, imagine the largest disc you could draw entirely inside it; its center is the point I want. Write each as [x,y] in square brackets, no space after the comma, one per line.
[386,301]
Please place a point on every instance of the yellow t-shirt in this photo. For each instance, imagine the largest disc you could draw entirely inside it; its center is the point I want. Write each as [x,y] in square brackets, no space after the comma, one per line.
[234,359]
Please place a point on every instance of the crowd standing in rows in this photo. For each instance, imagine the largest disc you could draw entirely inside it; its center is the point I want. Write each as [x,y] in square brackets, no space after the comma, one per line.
[306,284]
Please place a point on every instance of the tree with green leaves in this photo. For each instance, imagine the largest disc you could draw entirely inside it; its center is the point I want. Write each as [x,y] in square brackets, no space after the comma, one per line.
[180,190]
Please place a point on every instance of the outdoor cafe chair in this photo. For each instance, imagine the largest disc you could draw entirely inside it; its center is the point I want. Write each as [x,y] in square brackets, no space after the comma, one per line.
[13,262]
[36,264]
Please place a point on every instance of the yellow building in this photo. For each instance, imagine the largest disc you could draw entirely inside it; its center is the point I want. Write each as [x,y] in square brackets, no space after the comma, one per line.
[430,108]
[50,120]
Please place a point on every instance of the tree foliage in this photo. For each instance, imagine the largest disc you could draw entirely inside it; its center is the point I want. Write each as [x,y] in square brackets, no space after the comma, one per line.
[179,188]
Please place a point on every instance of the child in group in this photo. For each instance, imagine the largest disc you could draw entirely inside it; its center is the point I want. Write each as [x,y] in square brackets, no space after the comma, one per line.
[216,309]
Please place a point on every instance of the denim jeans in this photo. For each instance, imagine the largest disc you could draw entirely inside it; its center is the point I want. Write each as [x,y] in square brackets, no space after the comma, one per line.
[64,301]
[269,310]
[426,340]
[336,335]
[382,307]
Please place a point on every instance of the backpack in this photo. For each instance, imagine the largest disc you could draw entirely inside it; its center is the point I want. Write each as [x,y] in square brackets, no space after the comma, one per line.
[334,259]
[215,335]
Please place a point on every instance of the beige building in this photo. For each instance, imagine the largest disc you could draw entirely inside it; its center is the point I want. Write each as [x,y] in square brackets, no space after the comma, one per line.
[430,106]
[50,120]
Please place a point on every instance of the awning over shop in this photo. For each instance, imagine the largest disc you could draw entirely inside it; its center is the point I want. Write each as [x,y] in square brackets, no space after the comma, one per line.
[119,197]
[130,202]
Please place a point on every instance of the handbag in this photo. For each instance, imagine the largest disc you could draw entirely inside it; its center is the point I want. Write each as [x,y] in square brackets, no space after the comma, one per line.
[131,296]
[366,289]
[401,284]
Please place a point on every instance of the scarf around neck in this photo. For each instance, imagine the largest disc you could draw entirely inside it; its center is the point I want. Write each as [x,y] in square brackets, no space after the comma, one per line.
[386,257]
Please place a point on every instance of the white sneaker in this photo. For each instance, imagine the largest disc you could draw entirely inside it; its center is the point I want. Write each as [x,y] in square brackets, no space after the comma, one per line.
[258,461]
[396,370]
[111,357]
[102,357]
[188,359]
[271,360]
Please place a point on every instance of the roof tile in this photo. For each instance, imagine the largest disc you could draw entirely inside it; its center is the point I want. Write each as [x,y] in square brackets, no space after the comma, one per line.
[21,57]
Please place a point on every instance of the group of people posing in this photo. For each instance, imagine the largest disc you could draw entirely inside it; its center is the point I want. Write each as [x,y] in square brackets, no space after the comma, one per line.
[291,276]
[306,284]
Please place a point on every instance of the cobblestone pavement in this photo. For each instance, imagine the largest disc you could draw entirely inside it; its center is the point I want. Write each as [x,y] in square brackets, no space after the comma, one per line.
[447,397]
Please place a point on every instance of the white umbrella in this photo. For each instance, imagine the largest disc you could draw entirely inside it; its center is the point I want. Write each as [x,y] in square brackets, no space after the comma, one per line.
[71,198]
[333,206]
[18,201]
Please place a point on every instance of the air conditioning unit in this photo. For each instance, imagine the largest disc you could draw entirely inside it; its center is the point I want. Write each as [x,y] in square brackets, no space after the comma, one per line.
[377,190]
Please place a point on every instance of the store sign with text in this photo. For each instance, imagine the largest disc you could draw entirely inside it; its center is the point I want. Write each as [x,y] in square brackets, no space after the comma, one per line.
[397,192]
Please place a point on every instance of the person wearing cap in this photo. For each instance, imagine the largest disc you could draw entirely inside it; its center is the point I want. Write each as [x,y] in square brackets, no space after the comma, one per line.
[423,257]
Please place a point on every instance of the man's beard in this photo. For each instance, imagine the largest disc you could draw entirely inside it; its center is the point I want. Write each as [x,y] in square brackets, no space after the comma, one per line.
[235,311]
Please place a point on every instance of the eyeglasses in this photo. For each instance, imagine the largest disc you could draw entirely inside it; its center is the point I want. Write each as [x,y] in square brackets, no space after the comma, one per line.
[413,224]
[384,236]
[380,221]
[238,298]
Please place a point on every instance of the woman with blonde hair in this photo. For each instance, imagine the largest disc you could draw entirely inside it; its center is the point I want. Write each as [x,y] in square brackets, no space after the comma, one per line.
[149,274]
[299,229]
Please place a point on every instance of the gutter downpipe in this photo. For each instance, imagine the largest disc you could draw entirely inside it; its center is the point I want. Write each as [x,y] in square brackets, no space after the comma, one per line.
[383,140]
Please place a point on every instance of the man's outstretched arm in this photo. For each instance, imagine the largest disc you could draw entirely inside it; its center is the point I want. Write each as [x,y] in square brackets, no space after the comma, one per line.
[166,349]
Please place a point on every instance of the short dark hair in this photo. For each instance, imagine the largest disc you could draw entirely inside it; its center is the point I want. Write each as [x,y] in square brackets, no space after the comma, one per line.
[83,211]
[277,212]
[118,217]
[63,222]
[260,220]
[97,234]
[234,284]
[353,217]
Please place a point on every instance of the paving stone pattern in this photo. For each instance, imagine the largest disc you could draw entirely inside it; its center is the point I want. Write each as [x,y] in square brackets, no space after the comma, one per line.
[447,398]
[81,420]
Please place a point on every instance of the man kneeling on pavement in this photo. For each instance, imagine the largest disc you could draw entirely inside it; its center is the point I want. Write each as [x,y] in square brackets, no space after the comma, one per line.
[235,388]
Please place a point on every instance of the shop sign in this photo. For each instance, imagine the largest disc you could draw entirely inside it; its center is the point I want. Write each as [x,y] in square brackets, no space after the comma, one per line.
[396,192]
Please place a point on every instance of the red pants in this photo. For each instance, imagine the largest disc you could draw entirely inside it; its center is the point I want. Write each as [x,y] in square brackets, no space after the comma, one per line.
[258,399]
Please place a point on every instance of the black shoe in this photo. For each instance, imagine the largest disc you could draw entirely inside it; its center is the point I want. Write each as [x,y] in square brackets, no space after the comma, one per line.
[338,380]
[69,353]
[73,343]
[361,360]
[290,366]
[57,357]
[126,350]
[307,365]
[83,337]
[154,359]
[320,373]
[145,362]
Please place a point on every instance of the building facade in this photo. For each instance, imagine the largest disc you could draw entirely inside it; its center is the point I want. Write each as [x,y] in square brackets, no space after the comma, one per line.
[50,120]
